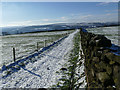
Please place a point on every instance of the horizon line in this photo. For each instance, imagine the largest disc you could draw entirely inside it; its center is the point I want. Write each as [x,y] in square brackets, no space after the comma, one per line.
[55,23]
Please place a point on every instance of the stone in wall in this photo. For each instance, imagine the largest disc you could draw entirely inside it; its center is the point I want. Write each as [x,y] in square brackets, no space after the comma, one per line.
[102,65]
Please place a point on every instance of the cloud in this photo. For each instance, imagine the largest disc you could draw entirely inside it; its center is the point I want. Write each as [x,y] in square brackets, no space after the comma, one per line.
[103,4]
[19,23]
[107,17]
[73,18]
[46,20]
[108,14]
[114,10]
[35,22]
[61,19]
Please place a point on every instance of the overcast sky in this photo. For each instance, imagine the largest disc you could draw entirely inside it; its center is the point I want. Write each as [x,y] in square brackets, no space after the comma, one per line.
[40,13]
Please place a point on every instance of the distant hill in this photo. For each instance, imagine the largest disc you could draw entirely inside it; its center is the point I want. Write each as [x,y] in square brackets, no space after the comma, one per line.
[59,26]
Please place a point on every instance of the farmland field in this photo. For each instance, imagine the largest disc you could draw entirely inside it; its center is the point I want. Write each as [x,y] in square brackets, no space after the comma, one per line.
[27,43]
[111,33]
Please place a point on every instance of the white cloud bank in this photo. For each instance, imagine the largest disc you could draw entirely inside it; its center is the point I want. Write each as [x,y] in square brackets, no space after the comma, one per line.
[73,18]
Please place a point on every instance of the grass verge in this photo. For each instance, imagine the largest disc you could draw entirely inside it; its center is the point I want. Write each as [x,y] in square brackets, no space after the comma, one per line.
[69,80]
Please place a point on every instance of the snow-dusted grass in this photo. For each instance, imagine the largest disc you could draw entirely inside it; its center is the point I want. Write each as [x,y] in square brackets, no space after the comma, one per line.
[26,43]
[111,33]
[42,72]
[73,74]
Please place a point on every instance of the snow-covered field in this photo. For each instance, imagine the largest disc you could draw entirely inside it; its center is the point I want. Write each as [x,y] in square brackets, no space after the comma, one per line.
[26,43]
[110,32]
[42,73]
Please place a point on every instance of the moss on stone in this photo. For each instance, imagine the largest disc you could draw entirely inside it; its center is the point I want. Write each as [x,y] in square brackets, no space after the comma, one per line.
[103,77]
[109,70]
[111,62]
[95,59]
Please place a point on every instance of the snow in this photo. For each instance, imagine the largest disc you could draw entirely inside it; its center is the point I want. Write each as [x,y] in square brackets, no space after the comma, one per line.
[25,44]
[111,33]
[80,70]
[42,73]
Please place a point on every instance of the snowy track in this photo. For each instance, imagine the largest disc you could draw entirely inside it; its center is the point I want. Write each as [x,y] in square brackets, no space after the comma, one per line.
[42,73]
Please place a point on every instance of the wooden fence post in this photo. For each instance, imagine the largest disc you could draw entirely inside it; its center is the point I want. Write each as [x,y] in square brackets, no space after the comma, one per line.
[45,43]
[14,54]
[37,46]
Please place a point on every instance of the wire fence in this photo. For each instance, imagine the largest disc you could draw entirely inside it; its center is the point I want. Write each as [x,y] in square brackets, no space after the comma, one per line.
[32,54]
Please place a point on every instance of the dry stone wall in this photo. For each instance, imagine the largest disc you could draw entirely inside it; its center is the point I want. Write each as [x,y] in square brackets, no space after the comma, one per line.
[102,60]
